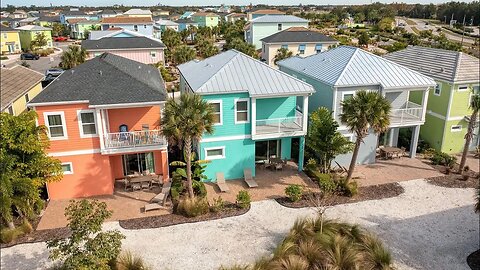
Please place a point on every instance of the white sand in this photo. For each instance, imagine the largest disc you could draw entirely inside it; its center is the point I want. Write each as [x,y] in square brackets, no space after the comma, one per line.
[427,227]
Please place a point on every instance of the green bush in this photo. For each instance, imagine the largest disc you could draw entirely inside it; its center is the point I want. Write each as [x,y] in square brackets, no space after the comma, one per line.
[243,199]
[8,235]
[347,188]
[326,182]
[26,227]
[129,261]
[294,192]
[3,57]
[441,158]
[192,207]
[199,188]
[218,205]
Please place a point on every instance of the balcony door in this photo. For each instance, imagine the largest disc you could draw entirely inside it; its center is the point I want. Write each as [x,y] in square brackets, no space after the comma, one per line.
[138,163]
[267,149]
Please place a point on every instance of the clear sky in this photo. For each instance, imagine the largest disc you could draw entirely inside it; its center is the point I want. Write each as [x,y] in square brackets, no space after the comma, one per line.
[200,2]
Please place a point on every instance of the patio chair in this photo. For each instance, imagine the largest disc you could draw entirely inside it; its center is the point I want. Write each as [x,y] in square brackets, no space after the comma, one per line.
[127,184]
[161,198]
[146,184]
[247,176]
[403,151]
[158,180]
[136,186]
[278,166]
[221,182]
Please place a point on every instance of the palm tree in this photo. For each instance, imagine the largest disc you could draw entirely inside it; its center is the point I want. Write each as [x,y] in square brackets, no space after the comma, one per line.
[185,122]
[475,106]
[282,53]
[364,111]
[183,54]
[74,56]
[477,205]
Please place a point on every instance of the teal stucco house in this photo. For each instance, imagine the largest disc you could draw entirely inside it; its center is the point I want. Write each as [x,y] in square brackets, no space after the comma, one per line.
[260,112]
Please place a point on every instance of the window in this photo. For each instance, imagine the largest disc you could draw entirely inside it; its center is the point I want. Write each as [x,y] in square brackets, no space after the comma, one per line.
[285,46]
[215,153]
[462,88]
[241,111]
[5,35]
[10,110]
[67,168]
[27,99]
[217,111]
[438,90]
[144,26]
[55,122]
[349,137]
[86,123]
[279,27]
[346,96]
[301,49]
[456,128]
[135,28]
[318,48]
[153,54]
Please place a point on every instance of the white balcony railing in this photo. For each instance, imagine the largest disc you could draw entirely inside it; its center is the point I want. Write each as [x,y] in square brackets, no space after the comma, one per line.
[411,112]
[279,125]
[134,139]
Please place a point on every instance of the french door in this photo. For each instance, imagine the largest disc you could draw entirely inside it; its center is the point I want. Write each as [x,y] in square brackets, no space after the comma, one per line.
[138,163]
[267,149]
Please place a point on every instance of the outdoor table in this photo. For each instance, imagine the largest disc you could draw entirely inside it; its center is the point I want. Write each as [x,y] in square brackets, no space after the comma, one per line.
[141,179]
[390,152]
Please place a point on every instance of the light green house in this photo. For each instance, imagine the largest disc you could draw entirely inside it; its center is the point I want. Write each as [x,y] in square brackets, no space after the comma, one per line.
[29,32]
[79,28]
[457,75]
[205,19]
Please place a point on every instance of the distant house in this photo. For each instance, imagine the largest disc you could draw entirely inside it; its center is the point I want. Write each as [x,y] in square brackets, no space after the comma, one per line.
[30,32]
[161,13]
[338,74]
[166,24]
[141,49]
[136,12]
[299,40]
[187,15]
[18,14]
[75,14]
[79,28]
[267,25]
[185,23]
[103,121]
[114,32]
[259,112]
[19,85]
[106,13]
[9,40]
[457,77]
[262,12]
[143,25]
[27,21]
[206,19]
[233,17]
[48,21]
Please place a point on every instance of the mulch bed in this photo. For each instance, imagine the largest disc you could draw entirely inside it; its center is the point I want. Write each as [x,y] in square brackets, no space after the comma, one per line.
[454,180]
[375,192]
[473,260]
[230,210]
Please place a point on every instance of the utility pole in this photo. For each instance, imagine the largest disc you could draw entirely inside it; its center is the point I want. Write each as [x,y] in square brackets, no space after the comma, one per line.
[463,31]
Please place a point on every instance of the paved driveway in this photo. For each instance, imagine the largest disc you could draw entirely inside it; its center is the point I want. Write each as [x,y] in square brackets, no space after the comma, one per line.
[427,227]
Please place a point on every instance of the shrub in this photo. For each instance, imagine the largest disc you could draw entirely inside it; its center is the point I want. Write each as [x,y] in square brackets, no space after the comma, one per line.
[129,261]
[192,207]
[325,182]
[294,192]
[8,235]
[347,188]
[199,188]
[3,57]
[441,158]
[311,164]
[26,227]
[218,205]
[243,199]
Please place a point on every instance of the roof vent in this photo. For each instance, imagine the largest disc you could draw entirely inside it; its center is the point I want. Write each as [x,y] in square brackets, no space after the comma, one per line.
[139,67]
[72,70]
[101,73]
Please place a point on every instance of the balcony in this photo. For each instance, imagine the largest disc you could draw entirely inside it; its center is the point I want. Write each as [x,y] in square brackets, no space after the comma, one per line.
[122,142]
[411,113]
[279,127]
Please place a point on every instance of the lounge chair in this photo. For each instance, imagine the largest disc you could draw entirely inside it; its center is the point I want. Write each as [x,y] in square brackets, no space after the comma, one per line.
[247,176]
[221,182]
[279,166]
[158,180]
[161,197]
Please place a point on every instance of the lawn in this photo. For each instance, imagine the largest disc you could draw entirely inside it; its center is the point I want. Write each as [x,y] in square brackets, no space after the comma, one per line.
[411,22]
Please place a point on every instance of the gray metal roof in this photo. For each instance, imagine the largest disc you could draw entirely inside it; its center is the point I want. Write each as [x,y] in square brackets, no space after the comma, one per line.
[298,34]
[451,66]
[233,71]
[278,19]
[121,43]
[350,66]
[106,80]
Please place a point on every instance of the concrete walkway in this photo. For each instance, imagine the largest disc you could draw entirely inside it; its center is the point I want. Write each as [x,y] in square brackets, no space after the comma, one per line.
[427,227]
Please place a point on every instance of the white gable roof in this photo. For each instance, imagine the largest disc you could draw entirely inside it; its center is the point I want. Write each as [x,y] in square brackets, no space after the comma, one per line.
[137,11]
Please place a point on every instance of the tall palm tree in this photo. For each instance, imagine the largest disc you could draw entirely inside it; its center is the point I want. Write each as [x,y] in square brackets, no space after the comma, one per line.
[74,56]
[185,122]
[475,106]
[364,111]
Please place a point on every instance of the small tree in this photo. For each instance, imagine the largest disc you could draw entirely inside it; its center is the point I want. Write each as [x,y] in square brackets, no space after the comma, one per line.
[321,201]
[88,247]
[25,166]
[282,53]
[59,29]
[324,140]
[242,46]
[206,47]
[39,41]
[183,54]
[74,56]
[364,39]
[475,106]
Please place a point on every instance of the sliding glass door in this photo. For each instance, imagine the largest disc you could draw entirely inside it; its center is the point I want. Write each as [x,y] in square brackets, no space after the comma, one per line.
[138,163]
[267,149]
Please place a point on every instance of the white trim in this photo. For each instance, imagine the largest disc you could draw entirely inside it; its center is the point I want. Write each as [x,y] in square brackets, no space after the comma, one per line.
[463,90]
[456,130]
[439,85]
[254,116]
[100,129]
[226,138]
[74,153]
[80,123]
[455,118]
[221,110]
[97,50]
[64,125]
[56,103]
[127,105]
[349,136]
[436,115]
[248,110]
[71,167]
[305,114]
[217,156]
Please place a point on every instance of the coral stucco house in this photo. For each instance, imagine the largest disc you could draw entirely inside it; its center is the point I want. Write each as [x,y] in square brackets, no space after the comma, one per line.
[103,120]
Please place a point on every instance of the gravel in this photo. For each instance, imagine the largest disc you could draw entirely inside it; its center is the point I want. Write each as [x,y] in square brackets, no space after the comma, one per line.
[427,227]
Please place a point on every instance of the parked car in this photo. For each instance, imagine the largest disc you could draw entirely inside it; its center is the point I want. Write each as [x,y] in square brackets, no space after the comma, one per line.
[60,38]
[29,56]
[53,72]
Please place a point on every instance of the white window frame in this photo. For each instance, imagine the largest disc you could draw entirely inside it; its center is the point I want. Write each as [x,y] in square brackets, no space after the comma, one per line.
[80,123]
[64,125]
[214,157]
[221,110]
[248,110]
[349,136]
[462,86]
[71,167]
[11,110]
[456,130]
[439,87]
[153,54]
[279,26]
[344,93]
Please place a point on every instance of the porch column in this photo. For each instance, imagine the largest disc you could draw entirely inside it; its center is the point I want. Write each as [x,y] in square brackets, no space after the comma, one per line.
[393,137]
[100,125]
[424,103]
[301,152]
[254,116]
[414,141]
[305,113]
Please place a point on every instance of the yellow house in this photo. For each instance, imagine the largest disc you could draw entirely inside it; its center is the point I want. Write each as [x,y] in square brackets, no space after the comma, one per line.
[28,33]
[19,85]
[9,40]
